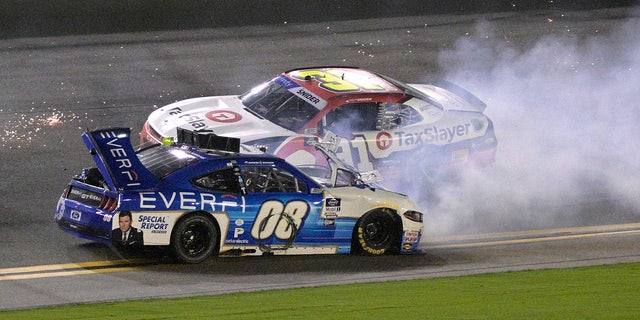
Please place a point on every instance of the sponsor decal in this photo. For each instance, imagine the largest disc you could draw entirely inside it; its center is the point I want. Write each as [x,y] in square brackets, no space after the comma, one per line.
[156,224]
[432,134]
[223,116]
[329,222]
[332,207]
[411,236]
[383,140]
[122,159]
[185,201]
[333,202]
[195,121]
[85,196]
[238,231]
[301,92]
[75,215]
[314,100]
[259,162]
[237,241]
[286,83]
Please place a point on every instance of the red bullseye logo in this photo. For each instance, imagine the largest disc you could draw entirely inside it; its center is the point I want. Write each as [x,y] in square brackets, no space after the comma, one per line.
[383,140]
[223,116]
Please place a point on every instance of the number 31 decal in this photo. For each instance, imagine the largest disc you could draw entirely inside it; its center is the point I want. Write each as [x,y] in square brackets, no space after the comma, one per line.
[336,82]
[276,218]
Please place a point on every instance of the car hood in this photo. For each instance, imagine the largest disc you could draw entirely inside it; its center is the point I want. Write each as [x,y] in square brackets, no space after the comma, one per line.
[355,198]
[224,115]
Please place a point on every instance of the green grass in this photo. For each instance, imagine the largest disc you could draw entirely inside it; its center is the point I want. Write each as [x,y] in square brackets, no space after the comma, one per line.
[602,292]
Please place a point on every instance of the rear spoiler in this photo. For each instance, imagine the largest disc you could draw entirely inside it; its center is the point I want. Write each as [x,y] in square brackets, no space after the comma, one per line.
[450,96]
[117,161]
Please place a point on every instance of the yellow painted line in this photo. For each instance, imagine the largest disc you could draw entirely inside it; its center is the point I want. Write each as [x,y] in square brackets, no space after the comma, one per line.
[528,240]
[66,273]
[64,266]
[477,240]
[533,233]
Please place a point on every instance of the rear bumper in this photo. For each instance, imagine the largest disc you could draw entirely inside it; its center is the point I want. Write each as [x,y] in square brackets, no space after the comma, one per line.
[83,221]
[84,232]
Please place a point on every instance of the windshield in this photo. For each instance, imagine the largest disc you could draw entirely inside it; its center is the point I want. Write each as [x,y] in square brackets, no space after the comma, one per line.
[162,161]
[279,105]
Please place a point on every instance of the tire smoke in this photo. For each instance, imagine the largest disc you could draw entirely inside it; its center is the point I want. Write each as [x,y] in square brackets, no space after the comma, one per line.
[566,112]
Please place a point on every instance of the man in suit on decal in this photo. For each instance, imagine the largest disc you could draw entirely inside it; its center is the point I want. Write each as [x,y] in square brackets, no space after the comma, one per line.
[126,235]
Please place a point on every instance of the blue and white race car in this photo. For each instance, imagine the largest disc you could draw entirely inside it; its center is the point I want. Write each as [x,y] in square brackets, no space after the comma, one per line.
[202,202]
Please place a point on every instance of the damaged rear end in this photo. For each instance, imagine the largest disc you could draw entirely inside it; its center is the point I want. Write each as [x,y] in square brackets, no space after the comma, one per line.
[93,197]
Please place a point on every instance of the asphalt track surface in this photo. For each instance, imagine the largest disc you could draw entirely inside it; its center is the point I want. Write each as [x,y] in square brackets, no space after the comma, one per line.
[54,88]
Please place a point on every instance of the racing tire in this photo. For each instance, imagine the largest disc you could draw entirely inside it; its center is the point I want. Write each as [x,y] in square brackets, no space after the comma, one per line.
[375,233]
[194,238]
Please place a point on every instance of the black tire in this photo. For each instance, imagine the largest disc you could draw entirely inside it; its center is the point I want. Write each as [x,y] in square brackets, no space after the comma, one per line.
[194,238]
[375,233]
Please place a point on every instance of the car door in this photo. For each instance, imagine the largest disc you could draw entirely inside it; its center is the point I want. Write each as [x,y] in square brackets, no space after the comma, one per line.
[353,122]
[283,206]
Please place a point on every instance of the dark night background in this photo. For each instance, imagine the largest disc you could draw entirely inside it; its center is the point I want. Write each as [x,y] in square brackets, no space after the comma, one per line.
[37,18]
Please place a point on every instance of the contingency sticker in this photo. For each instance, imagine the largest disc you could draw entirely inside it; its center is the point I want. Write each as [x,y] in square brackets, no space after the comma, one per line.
[332,207]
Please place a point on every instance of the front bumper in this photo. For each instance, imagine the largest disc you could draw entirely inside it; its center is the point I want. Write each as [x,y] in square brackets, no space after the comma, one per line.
[410,242]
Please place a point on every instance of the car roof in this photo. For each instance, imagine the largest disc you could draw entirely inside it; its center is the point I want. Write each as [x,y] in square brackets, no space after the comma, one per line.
[207,155]
[206,159]
[334,81]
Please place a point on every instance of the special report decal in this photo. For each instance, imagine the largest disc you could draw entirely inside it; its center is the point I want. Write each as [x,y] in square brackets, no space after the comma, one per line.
[157,224]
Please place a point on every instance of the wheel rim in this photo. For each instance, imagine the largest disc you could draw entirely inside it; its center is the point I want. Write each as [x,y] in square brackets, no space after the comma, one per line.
[195,238]
[377,233]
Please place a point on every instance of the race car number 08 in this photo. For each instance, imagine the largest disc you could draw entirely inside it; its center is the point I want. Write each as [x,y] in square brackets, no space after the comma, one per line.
[271,219]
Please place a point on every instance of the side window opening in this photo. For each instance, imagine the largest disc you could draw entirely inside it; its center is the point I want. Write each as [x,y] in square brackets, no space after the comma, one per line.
[224,181]
[267,179]
[394,115]
[355,117]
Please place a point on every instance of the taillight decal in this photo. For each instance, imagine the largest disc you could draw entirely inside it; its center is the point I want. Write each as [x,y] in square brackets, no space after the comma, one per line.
[108,203]
[113,205]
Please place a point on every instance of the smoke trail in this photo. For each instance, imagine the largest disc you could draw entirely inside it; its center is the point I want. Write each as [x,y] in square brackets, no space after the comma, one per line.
[567,117]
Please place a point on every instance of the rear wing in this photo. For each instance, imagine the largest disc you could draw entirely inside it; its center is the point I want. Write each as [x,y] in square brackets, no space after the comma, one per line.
[450,96]
[117,161]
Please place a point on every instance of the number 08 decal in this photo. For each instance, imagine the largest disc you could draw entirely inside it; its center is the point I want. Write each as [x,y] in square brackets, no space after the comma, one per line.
[276,218]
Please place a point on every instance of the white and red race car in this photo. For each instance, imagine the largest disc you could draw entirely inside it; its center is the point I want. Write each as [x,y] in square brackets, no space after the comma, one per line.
[380,124]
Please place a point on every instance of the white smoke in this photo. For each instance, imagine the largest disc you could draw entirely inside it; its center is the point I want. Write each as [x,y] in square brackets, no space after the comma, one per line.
[567,117]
